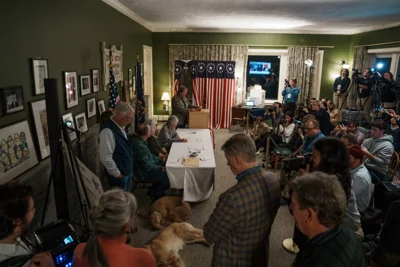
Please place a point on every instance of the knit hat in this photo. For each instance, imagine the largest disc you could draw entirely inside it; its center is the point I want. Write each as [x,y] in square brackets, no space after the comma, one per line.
[356,151]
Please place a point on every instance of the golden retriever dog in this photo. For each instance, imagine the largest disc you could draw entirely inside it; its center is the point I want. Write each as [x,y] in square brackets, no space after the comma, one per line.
[169,209]
[171,240]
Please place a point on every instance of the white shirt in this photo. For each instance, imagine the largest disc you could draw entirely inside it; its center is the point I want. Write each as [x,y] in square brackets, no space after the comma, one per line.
[107,147]
[286,132]
[11,250]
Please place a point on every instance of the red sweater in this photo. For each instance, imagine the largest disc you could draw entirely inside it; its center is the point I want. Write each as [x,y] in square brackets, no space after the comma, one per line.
[117,253]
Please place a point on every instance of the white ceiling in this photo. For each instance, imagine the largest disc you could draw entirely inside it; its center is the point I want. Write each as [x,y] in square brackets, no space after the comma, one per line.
[283,16]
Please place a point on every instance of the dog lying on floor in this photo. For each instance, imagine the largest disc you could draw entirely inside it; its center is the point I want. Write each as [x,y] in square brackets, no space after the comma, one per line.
[169,209]
[171,240]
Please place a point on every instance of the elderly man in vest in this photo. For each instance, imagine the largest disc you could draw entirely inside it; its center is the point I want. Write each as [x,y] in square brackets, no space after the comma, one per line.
[116,151]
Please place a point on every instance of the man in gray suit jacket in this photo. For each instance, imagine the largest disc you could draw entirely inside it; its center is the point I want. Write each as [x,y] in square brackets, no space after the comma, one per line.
[181,106]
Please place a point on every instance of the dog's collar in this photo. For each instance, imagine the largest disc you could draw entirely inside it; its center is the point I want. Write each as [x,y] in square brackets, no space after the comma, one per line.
[169,263]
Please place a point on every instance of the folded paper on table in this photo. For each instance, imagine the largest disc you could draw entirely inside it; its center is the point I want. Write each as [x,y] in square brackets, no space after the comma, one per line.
[191,162]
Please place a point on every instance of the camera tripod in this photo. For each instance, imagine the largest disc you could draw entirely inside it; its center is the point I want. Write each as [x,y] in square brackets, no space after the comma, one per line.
[64,144]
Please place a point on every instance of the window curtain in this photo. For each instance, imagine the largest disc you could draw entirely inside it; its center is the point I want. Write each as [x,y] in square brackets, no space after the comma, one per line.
[236,53]
[298,70]
[214,87]
[361,61]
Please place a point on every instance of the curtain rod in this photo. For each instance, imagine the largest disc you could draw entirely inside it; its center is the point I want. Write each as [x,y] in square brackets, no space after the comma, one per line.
[379,44]
[256,45]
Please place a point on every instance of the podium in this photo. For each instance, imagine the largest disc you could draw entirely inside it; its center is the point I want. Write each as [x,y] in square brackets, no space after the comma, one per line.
[199,119]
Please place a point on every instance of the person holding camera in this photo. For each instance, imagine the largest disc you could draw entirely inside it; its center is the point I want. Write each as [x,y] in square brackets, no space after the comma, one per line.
[313,134]
[17,209]
[271,87]
[275,114]
[364,99]
[388,96]
[290,96]
[340,87]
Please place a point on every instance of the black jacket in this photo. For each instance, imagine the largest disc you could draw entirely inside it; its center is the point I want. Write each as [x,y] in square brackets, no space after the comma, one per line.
[344,84]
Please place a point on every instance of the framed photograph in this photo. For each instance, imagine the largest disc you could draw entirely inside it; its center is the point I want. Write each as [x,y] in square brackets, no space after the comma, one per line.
[91,107]
[17,152]
[102,106]
[68,118]
[12,99]
[40,72]
[85,84]
[71,88]
[95,80]
[81,123]
[40,118]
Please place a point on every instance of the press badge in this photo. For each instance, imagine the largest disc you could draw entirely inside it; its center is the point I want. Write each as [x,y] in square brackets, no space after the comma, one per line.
[289,95]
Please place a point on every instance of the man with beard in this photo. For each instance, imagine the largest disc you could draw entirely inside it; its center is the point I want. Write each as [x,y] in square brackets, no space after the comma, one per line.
[17,210]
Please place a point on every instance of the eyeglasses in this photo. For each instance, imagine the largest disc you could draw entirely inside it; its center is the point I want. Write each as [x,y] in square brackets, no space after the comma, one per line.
[310,128]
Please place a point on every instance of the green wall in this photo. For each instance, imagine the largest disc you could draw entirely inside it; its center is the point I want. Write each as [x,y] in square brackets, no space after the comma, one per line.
[68,34]
[376,37]
[332,56]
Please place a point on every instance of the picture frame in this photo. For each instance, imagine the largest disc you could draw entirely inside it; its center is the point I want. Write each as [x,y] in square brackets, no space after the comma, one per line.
[69,118]
[12,99]
[40,72]
[95,73]
[70,80]
[91,107]
[17,151]
[81,122]
[102,106]
[39,114]
[85,84]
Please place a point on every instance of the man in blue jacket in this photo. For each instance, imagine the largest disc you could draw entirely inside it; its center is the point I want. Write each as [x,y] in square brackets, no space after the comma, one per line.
[290,96]
[313,134]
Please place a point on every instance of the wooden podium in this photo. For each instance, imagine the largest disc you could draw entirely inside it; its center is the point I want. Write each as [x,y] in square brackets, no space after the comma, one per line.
[199,119]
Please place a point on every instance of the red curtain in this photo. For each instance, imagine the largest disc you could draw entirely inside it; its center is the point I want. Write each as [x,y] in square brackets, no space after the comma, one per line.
[213,87]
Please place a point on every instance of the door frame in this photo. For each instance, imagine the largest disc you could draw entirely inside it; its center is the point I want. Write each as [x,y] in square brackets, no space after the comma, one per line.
[150,93]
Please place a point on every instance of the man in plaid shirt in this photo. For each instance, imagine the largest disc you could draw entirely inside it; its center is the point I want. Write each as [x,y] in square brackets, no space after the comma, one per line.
[241,222]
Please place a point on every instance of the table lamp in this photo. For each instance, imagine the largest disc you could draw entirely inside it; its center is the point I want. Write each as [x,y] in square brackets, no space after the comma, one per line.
[165,97]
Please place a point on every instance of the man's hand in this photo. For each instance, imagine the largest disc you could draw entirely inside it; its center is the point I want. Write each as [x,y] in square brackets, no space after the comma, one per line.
[273,114]
[338,93]
[120,176]
[43,259]
[160,155]
[164,159]
[184,140]
[163,150]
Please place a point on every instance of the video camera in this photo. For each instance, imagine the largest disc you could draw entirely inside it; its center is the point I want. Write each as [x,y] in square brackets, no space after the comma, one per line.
[287,83]
[294,164]
[272,109]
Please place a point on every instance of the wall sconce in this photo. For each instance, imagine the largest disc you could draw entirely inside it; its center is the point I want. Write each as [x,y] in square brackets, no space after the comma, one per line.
[165,97]
[344,65]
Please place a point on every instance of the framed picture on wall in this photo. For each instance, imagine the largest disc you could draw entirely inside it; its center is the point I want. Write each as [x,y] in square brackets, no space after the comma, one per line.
[71,88]
[81,123]
[12,99]
[85,84]
[95,80]
[102,106]
[17,151]
[40,118]
[70,120]
[40,72]
[91,107]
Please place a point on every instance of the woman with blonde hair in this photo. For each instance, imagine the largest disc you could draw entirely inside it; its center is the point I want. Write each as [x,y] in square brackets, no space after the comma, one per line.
[110,219]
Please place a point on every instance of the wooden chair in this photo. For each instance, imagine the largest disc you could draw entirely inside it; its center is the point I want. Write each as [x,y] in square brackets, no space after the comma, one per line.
[393,166]
[137,181]
[238,115]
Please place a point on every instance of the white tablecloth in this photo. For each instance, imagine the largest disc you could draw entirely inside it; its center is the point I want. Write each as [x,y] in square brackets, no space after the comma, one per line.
[196,182]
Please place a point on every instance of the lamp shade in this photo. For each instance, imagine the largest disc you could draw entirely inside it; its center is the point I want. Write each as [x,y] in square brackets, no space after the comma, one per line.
[165,97]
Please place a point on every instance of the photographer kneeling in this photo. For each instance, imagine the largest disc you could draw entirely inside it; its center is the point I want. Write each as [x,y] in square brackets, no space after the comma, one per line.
[17,210]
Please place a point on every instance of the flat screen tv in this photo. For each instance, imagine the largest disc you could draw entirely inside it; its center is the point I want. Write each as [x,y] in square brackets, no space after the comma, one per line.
[257,67]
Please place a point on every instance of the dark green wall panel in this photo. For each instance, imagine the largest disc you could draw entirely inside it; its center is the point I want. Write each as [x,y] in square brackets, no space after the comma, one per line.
[67,33]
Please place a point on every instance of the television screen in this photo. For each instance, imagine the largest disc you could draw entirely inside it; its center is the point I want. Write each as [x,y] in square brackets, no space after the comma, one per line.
[259,67]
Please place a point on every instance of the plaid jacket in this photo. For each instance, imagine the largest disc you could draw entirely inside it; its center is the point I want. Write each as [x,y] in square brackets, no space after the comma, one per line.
[241,222]
[144,161]
[334,248]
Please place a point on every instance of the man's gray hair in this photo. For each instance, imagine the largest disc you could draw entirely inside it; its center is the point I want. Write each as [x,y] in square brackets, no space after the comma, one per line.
[122,108]
[242,146]
[172,119]
[324,194]
[108,217]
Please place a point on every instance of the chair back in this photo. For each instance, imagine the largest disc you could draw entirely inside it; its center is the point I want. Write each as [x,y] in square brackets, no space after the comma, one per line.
[393,166]
[238,113]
